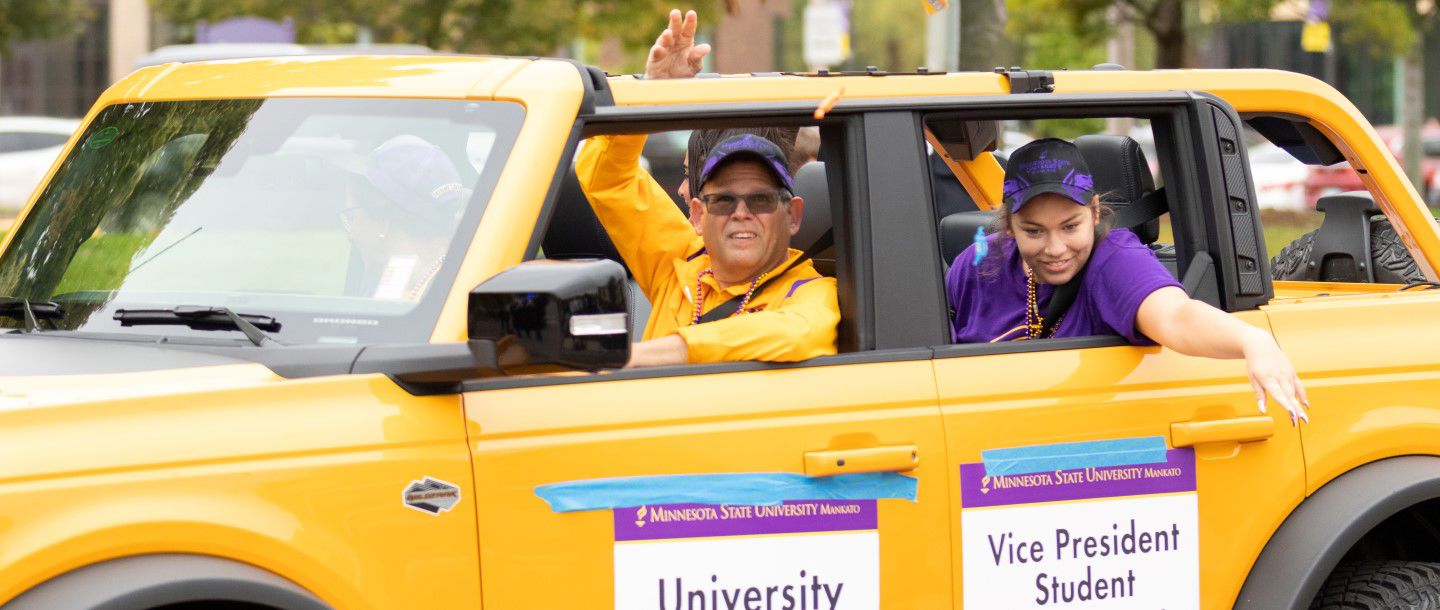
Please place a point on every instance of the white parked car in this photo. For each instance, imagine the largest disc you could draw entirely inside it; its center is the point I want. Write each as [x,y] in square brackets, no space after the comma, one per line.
[1279,178]
[28,147]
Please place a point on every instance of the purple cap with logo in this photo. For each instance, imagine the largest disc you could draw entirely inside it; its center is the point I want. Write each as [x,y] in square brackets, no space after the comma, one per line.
[751,146]
[416,176]
[1049,165]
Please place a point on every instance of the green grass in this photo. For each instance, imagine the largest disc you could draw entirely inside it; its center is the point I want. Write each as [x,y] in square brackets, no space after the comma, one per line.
[1280,228]
[312,262]
[101,262]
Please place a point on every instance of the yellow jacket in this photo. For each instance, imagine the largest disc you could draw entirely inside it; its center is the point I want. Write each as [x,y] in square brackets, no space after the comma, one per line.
[791,318]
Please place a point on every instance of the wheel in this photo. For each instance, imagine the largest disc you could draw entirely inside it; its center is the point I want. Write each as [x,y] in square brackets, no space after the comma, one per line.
[1381,585]
[1388,257]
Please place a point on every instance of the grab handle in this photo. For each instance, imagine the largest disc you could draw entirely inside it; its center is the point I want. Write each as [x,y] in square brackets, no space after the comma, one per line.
[891,458]
[1237,430]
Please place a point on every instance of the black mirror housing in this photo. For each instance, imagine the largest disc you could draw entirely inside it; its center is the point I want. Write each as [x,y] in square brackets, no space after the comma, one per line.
[963,139]
[569,313]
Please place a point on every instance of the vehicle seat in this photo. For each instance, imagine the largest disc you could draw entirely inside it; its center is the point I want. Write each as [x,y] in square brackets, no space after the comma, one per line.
[1122,176]
[957,232]
[812,186]
[575,232]
[1340,250]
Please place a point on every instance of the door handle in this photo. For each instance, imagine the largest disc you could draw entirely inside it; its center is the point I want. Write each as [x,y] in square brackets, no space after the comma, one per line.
[890,458]
[1237,430]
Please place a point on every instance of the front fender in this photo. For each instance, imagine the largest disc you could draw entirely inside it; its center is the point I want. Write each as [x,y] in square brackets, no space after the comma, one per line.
[236,527]
[153,581]
[1318,533]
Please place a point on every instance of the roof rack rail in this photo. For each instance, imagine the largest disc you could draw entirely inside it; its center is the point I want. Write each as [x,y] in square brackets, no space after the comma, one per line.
[1028,81]
[868,71]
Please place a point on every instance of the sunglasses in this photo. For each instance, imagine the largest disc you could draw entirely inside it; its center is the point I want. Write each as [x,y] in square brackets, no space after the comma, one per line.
[724,204]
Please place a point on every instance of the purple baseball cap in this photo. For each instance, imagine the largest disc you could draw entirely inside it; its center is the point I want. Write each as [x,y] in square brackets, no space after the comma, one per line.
[1049,165]
[751,146]
[416,176]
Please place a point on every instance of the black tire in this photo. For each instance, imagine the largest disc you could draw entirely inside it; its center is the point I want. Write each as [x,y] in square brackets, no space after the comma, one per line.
[1389,258]
[1381,585]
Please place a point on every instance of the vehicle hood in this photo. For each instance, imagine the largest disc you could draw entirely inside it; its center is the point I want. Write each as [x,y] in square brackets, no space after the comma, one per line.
[37,370]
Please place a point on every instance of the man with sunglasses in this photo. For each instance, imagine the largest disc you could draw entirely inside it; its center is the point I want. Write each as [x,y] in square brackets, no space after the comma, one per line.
[733,251]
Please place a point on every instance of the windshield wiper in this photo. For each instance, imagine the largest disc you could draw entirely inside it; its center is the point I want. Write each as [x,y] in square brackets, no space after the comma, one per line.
[204,317]
[30,311]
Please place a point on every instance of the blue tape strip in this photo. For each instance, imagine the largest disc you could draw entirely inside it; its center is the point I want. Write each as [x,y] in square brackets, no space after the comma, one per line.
[1069,456]
[747,489]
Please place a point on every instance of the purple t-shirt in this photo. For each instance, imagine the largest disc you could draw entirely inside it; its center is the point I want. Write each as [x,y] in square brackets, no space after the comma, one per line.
[989,298]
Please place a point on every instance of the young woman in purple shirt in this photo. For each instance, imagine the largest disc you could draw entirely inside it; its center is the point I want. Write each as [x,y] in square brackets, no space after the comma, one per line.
[1054,228]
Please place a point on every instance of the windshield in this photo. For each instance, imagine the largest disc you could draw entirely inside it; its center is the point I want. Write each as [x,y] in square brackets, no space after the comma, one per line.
[344,219]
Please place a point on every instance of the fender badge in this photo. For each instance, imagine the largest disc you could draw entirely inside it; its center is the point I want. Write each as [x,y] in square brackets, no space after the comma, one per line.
[431,495]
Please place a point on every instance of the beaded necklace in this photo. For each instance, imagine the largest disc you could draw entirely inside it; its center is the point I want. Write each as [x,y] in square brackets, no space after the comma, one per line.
[1034,322]
[419,287]
[700,295]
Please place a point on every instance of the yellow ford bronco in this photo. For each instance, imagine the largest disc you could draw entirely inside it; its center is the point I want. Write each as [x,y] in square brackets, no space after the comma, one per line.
[327,332]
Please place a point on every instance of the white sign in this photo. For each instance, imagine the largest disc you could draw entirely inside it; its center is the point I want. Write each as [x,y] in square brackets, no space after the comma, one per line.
[395,278]
[1106,538]
[827,33]
[822,555]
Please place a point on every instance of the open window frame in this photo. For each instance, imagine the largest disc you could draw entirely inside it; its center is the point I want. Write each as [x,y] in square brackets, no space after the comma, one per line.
[1219,257]
[890,283]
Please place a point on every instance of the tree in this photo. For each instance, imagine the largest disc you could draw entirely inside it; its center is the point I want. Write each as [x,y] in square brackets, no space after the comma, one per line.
[1037,40]
[1397,28]
[982,34]
[27,19]
[1164,20]
[885,37]
[509,27]
[1170,23]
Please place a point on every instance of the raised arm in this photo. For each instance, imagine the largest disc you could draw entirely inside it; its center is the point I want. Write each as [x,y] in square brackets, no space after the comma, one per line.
[1193,328]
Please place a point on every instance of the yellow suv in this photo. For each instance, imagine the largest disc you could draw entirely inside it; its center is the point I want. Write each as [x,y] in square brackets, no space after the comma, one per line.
[335,332]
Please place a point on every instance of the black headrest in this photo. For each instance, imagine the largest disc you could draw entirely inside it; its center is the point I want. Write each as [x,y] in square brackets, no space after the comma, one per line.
[1121,175]
[811,185]
[957,232]
[575,231]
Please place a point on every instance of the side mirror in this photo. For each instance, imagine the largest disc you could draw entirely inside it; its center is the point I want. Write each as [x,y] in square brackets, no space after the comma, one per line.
[537,317]
[559,314]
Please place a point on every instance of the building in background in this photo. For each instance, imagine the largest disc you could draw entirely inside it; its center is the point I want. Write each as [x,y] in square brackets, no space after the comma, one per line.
[63,76]
[748,41]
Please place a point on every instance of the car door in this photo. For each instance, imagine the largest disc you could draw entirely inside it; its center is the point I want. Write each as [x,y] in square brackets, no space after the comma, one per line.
[1092,473]
[645,489]
[1115,476]
[748,422]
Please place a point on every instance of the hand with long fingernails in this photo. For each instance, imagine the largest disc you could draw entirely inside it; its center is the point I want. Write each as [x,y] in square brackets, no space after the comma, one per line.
[1272,376]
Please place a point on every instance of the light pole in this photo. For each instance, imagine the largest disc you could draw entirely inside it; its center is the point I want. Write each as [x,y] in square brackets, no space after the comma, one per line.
[942,39]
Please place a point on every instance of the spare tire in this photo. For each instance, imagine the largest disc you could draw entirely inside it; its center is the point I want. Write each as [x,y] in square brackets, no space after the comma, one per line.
[1388,257]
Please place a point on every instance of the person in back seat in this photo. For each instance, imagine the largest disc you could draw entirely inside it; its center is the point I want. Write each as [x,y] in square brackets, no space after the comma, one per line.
[1054,232]
[734,248]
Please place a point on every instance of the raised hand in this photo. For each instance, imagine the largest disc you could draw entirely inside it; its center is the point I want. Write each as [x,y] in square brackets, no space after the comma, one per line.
[675,54]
